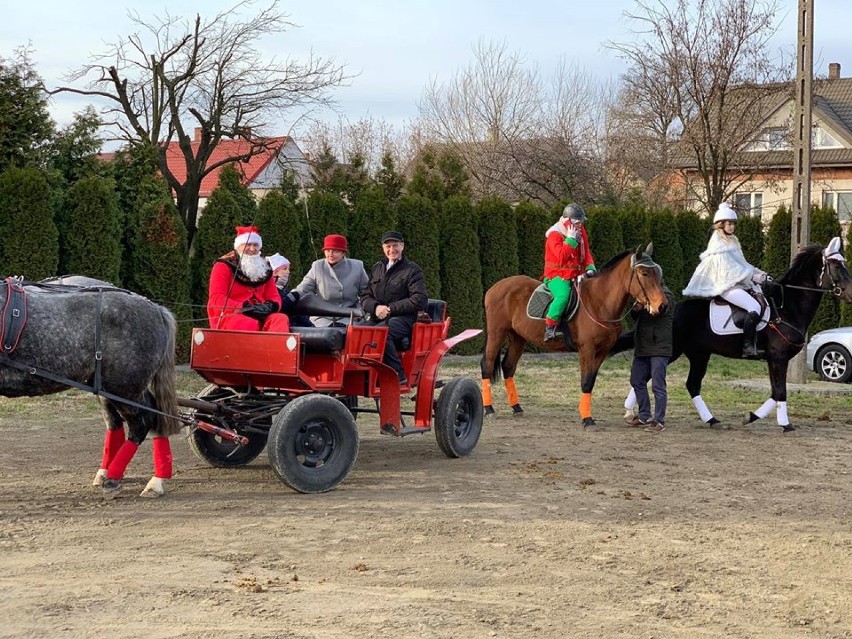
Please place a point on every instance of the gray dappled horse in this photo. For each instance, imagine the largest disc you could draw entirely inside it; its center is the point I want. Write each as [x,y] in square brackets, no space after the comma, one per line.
[72,322]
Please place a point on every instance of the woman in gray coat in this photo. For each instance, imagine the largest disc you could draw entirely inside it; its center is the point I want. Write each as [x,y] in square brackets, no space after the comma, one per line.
[336,278]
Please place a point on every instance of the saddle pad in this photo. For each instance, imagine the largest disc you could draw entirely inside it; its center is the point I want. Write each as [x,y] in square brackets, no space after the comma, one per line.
[721,324]
[539,301]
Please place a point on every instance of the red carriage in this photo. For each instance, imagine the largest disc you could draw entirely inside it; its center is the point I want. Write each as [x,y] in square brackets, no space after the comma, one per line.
[297,395]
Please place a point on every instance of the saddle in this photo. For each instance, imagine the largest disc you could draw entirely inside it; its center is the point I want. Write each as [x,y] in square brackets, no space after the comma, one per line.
[13,316]
[540,301]
[727,319]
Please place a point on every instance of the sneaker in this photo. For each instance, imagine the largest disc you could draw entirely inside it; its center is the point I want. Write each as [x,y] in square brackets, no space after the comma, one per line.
[655,426]
[635,421]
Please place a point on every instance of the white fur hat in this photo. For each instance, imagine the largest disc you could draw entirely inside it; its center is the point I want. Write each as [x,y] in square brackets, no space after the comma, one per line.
[277,260]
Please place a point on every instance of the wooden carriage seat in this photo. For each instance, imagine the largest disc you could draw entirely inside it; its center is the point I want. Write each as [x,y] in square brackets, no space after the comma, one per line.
[318,339]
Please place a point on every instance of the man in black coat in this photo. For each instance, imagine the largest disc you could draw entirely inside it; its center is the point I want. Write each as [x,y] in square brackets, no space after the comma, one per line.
[395,294]
[651,355]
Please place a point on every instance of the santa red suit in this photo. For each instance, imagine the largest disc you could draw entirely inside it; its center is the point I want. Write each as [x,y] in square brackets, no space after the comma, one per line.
[234,297]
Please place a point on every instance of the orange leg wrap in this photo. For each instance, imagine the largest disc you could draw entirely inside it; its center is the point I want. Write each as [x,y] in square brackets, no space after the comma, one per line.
[511,392]
[585,405]
[486,392]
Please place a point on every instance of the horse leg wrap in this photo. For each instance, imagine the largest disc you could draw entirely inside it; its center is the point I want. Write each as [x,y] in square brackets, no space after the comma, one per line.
[487,400]
[703,412]
[512,392]
[113,441]
[118,465]
[765,409]
[781,414]
[162,458]
[630,400]
[585,405]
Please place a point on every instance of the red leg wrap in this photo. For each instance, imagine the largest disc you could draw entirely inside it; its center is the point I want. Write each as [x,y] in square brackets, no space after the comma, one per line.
[113,441]
[118,465]
[162,458]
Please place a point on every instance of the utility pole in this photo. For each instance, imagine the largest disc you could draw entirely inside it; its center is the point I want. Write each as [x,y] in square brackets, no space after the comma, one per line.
[800,230]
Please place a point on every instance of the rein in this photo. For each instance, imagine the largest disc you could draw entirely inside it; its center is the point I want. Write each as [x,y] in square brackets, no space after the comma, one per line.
[626,312]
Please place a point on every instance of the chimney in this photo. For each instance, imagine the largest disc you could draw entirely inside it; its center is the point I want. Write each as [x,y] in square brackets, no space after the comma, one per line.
[197,137]
[834,71]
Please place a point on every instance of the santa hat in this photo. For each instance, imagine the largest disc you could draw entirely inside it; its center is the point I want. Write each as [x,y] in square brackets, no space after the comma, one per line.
[247,235]
[277,261]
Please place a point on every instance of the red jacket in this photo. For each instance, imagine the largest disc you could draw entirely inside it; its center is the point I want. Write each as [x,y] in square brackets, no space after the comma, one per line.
[564,260]
[229,291]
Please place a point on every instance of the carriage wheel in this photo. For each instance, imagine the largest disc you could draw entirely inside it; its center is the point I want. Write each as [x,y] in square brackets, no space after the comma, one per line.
[458,417]
[219,452]
[313,443]
[834,364]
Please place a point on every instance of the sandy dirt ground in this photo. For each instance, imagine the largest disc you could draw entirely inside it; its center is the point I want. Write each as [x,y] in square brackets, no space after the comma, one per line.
[545,531]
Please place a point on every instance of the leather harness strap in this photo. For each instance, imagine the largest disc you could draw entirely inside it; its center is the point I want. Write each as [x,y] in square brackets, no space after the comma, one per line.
[13,317]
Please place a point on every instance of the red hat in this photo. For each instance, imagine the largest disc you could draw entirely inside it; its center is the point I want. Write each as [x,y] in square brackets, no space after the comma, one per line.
[335,243]
[247,235]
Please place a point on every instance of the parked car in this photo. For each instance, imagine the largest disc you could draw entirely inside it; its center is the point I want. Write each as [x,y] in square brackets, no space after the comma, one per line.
[829,354]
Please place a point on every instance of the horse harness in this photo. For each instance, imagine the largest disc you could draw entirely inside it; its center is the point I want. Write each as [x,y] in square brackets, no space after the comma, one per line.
[13,318]
[644,261]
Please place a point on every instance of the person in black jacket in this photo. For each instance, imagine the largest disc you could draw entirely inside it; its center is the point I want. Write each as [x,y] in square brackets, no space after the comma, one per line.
[651,355]
[395,294]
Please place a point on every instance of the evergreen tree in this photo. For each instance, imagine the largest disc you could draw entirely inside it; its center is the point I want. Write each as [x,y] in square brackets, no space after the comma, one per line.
[532,222]
[824,227]
[750,235]
[327,214]
[667,250]
[605,235]
[230,181]
[461,275]
[777,256]
[373,215]
[29,243]
[160,268]
[417,220]
[281,229]
[74,149]
[634,226]
[498,240]
[214,238]
[694,233]
[94,242]
[391,180]
[438,175]
[25,124]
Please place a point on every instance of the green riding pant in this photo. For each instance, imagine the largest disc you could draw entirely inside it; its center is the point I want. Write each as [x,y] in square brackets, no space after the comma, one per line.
[560,288]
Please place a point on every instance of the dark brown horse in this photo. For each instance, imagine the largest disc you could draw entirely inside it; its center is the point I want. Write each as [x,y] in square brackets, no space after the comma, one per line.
[594,328]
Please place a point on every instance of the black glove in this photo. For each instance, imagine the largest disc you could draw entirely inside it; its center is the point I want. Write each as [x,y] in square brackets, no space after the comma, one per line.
[289,300]
[259,311]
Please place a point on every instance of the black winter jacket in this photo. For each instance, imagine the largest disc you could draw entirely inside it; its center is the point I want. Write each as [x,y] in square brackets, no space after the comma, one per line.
[653,333]
[402,288]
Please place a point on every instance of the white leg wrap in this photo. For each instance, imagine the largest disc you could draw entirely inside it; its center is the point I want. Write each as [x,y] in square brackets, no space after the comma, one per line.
[703,412]
[630,400]
[781,415]
[154,488]
[766,408]
[99,477]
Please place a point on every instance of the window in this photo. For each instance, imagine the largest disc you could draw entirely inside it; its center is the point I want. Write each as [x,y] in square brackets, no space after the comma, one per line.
[749,203]
[841,202]
[823,140]
[775,138]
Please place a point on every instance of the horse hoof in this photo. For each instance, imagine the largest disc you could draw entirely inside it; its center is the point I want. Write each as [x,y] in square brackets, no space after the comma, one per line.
[749,418]
[789,428]
[110,488]
[517,411]
[489,410]
[99,477]
[590,424]
[153,489]
[712,421]
[629,414]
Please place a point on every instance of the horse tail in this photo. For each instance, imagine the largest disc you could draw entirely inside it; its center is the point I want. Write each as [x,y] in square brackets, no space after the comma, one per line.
[494,373]
[163,383]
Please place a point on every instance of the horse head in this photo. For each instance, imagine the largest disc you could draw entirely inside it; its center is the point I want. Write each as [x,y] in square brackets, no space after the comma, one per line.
[834,276]
[646,281]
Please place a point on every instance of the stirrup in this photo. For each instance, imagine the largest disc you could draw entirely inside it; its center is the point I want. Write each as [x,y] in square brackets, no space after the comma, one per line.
[550,333]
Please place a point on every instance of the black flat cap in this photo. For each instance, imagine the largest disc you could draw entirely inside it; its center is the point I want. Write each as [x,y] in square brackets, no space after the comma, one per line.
[392,236]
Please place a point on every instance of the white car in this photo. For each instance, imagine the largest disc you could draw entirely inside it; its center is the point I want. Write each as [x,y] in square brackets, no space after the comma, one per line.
[829,354]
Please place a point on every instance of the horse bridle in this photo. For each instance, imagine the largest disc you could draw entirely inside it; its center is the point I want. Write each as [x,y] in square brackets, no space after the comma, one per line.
[645,262]
[835,288]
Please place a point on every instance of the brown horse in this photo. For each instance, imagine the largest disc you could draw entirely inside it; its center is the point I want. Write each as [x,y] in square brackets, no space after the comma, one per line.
[594,328]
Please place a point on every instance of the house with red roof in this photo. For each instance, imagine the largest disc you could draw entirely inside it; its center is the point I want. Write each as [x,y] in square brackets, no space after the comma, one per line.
[260,173]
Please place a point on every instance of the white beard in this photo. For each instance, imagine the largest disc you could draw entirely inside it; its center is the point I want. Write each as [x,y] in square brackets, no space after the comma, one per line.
[254,267]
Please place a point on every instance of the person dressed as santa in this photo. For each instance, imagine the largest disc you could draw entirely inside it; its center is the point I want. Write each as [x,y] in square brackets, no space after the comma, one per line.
[242,292]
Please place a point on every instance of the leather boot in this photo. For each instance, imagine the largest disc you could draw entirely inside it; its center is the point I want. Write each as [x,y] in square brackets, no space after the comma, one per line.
[750,350]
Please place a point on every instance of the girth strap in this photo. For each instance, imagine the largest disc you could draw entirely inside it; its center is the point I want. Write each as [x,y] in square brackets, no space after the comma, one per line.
[13,317]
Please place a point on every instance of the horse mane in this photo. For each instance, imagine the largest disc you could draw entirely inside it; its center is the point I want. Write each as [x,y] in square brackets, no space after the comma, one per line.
[614,261]
[800,262]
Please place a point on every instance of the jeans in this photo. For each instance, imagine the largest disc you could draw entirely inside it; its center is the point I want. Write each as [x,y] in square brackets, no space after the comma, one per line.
[654,369]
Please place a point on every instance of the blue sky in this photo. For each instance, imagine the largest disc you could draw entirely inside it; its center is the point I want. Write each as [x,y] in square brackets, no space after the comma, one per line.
[394,47]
